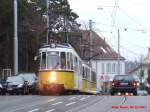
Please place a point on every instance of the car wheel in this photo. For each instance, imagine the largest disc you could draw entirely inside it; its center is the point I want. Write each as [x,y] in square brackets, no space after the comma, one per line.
[23,91]
[3,93]
[11,93]
[27,91]
[19,92]
[135,93]
[112,93]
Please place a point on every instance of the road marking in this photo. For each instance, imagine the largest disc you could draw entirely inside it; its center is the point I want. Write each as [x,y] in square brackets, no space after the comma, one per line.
[52,100]
[72,98]
[57,103]
[121,103]
[124,100]
[70,103]
[88,96]
[34,110]
[50,110]
[83,98]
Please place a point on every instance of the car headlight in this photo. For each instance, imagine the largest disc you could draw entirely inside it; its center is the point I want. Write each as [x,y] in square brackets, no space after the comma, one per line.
[52,77]
[20,85]
[1,86]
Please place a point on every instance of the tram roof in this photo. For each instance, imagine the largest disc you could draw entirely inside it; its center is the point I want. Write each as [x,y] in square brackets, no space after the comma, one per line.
[58,47]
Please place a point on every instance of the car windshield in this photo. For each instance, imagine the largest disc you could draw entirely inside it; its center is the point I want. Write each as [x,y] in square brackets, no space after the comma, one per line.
[14,79]
[123,77]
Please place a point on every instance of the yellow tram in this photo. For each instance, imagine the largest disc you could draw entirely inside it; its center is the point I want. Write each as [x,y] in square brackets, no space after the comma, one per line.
[61,70]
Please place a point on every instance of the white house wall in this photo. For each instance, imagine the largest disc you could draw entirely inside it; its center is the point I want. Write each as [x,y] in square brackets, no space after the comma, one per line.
[97,65]
[137,72]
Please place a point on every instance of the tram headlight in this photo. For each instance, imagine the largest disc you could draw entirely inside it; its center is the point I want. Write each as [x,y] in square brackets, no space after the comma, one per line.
[52,77]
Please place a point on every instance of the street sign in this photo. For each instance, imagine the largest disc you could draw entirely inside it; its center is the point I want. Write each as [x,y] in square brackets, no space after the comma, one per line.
[104,78]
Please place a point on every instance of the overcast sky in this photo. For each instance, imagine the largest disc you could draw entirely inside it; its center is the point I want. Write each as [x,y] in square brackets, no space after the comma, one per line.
[132,15]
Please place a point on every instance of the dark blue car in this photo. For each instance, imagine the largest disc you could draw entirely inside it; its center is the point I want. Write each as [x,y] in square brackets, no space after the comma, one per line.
[3,86]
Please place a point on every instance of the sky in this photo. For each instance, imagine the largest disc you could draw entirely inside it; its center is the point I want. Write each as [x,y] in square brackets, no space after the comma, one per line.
[131,17]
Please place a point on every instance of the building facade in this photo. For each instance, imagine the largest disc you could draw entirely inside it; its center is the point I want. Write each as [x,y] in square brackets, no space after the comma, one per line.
[104,59]
[107,69]
[143,68]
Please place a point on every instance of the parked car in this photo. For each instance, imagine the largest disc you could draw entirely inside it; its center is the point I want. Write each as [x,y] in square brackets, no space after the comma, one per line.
[16,85]
[31,79]
[137,80]
[142,92]
[124,84]
[99,91]
[2,87]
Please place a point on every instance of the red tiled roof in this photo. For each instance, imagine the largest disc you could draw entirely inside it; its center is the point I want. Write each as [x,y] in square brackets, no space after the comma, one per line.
[101,50]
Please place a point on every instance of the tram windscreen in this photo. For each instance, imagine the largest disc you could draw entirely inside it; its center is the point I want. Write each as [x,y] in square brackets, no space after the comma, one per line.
[53,60]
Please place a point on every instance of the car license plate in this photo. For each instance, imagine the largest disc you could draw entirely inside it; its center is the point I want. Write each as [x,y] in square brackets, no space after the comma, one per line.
[123,83]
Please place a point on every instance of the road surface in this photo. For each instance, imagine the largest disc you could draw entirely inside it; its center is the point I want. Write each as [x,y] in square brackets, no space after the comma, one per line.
[74,103]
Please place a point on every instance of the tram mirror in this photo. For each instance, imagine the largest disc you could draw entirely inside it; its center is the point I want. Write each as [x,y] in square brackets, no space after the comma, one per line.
[35,58]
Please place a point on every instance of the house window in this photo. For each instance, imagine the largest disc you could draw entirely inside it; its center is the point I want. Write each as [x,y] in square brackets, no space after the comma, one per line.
[103,68]
[120,68]
[113,68]
[108,68]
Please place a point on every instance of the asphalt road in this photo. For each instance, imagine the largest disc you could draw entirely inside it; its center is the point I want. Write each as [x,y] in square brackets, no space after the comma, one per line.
[74,103]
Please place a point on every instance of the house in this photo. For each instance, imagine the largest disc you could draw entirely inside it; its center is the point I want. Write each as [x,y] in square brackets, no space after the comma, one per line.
[104,59]
[143,68]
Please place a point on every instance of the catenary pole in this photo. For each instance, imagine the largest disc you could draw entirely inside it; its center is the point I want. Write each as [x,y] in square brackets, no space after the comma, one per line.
[118,52]
[90,40]
[15,66]
[47,24]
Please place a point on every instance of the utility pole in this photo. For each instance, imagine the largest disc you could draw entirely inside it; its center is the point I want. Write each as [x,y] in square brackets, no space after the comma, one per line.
[47,22]
[65,6]
[15,66]
[65,30]
[90,40]
[118,52]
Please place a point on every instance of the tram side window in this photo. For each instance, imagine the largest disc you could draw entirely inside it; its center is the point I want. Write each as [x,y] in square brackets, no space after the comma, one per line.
[63,60]
[80,67]
[88,74]
[83,72]
[71,61]
[76,64]
[93,76]
[68,61]
[43,61]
